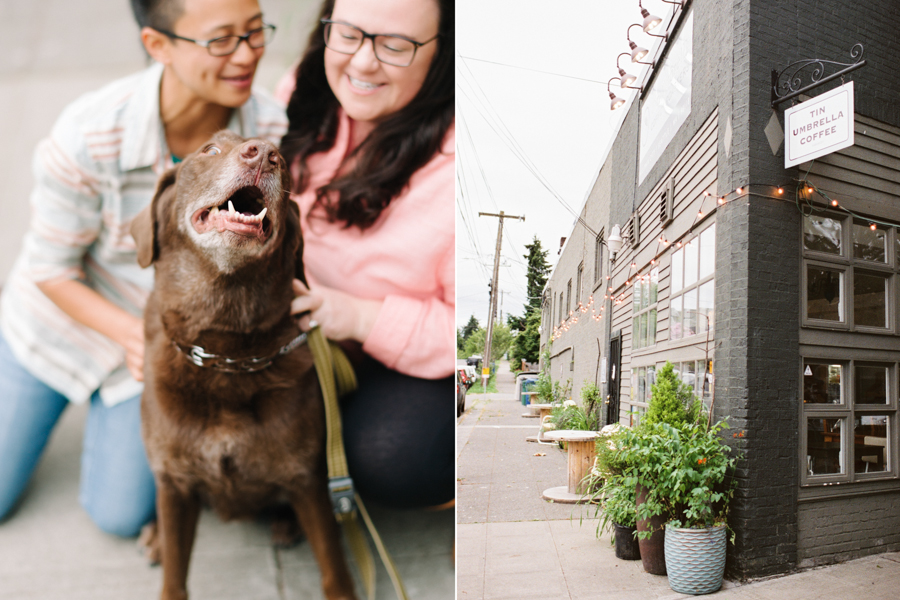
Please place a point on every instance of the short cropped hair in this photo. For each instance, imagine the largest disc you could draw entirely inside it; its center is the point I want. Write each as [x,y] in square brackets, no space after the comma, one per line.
[157,14]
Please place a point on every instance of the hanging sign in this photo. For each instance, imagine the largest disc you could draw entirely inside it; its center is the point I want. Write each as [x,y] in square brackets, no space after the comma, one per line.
[819,126]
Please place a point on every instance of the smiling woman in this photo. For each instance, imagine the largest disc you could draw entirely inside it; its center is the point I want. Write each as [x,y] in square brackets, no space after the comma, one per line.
[72,327]
[371,138]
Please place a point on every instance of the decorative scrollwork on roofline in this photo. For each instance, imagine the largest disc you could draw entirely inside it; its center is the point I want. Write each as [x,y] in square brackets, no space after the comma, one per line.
[789,82]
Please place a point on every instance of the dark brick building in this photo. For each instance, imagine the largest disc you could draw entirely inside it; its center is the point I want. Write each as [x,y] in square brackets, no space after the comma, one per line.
[780,307]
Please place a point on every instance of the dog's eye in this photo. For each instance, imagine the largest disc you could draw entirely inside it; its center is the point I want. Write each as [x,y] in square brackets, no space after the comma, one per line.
[212,151]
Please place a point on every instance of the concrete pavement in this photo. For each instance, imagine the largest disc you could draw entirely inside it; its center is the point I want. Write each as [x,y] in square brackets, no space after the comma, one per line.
[513,545]
[50,550]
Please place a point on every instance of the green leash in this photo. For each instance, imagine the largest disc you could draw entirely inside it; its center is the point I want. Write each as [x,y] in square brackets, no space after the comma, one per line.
[336,378]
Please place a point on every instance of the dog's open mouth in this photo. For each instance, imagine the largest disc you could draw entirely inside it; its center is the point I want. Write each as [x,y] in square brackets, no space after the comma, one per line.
[243,213]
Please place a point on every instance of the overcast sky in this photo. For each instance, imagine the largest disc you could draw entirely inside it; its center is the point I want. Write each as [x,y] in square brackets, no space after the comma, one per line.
[532,107]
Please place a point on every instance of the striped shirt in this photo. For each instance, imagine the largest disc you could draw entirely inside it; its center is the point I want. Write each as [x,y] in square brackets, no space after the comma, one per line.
[93,174]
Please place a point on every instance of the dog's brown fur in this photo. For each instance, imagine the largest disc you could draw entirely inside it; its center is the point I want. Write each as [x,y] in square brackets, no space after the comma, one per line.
[239,441]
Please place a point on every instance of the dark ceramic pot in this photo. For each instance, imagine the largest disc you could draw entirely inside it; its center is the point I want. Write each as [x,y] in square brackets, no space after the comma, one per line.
[653,553]
[627,547]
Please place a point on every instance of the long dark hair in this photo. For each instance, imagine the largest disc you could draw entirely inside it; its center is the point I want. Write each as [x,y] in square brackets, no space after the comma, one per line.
[397,147]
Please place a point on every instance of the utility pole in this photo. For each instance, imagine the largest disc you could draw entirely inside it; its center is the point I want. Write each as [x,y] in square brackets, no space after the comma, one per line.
[486,365]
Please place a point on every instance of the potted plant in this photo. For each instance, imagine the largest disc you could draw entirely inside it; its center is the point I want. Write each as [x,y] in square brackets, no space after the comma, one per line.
[698,487]
[613,497]
[686,472]
[672,403]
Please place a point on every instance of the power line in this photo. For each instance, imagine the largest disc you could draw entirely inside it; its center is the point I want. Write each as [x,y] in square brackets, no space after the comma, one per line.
[493,62]
[507,137]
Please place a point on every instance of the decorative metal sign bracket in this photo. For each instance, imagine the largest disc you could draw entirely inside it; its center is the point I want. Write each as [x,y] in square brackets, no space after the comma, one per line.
[788,83]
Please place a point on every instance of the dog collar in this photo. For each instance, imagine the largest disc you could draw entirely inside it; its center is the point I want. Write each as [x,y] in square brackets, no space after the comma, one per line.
[250,364]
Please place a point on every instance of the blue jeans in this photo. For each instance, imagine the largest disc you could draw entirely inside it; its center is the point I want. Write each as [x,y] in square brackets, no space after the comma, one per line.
[117,488]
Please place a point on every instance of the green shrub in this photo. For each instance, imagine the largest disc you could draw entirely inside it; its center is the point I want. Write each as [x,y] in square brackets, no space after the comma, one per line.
[685,468]
[671,400]
[612,495]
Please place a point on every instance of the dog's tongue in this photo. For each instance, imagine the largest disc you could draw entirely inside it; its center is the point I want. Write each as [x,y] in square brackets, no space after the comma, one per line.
[240,223]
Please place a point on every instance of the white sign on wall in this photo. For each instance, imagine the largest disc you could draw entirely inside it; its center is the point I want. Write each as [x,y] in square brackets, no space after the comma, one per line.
[819,126]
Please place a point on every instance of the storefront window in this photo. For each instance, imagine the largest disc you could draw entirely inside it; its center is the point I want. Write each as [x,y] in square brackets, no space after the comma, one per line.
[823,446]
[871,385]
[822,234]
[823,294]
[835,453]
[849,273]
[870,446]
[642,380]
[869,244]
[692,297]
[870,299]
[643,307]
[822,384]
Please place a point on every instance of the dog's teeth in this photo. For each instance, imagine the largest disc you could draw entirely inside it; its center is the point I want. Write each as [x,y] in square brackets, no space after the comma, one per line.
[262,214]
[230,207]
[214,211]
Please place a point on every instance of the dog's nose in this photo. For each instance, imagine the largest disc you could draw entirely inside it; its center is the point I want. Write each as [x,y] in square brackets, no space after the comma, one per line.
[253,152]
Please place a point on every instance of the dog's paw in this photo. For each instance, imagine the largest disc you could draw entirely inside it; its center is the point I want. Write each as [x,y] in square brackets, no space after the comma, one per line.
[286,532]
[148,543]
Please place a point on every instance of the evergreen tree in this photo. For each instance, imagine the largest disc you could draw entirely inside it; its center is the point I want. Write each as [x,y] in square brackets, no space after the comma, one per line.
[463,334]
[528,342]
[470,327]
[538,271]
[671,401]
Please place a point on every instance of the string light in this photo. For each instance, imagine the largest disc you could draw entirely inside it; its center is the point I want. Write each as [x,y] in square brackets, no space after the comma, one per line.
[872,226]
[834,202]
[739,191]
[780,191]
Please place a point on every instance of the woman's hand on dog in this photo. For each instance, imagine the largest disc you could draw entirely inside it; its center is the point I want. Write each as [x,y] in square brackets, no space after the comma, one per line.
[340,315]
[133,342]
[89,308]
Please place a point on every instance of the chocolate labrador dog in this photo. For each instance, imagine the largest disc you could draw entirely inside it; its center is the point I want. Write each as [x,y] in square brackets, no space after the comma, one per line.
[232,414]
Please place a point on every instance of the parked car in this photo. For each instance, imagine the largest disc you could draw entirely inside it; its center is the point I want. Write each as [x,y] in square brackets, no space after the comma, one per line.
[460,396]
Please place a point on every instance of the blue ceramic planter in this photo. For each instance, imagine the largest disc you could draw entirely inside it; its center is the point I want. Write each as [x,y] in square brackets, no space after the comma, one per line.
[695,559]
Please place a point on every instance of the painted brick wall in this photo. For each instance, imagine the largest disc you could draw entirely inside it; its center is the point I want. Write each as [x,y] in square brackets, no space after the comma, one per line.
[757,295]
[839,530]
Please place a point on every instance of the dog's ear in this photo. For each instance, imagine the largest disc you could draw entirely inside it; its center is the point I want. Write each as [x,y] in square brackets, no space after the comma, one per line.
[294,239]
[144,225]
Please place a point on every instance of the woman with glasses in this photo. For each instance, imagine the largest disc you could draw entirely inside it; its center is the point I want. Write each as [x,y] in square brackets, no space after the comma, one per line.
[71,309]
[371,144]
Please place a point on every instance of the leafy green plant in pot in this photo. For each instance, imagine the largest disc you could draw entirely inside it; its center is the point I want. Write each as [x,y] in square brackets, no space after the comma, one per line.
[672,402]
[687,473]
[613,499]
[697,488]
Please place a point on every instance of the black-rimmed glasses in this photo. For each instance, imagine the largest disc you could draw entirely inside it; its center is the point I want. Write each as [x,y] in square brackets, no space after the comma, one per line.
[393,50]
[228,44]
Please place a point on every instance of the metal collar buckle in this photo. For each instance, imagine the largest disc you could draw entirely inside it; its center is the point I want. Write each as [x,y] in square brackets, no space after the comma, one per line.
[250,364]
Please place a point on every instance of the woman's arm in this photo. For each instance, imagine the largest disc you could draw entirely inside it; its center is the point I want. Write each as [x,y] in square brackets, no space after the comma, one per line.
[66,219]
[93,310]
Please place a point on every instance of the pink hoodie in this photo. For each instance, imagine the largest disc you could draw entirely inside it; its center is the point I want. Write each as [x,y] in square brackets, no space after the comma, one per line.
[406,259]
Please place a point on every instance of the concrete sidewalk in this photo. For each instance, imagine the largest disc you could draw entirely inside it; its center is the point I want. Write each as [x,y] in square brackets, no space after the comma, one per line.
[513,545]
[50,550]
